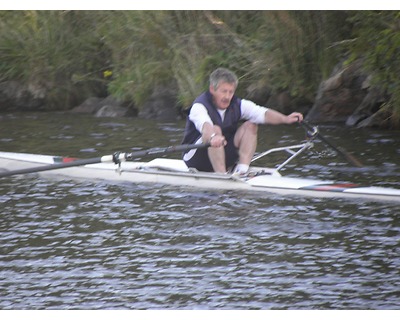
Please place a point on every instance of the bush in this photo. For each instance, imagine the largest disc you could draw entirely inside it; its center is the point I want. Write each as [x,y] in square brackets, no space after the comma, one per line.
[77,54]
[53,50]
[377,41]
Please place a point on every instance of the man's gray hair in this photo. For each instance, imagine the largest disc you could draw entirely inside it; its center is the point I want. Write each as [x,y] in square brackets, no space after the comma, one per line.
[223,75]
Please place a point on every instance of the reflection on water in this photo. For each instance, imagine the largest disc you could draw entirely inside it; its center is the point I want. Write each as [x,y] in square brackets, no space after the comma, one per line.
[89,245]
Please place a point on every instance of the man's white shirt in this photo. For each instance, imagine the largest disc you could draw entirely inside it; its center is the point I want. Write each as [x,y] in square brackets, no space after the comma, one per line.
[199,116]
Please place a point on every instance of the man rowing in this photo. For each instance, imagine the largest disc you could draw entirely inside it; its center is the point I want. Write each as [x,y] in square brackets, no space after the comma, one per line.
[215,117]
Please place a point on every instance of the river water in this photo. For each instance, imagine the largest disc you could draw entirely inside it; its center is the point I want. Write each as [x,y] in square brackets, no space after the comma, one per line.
[96,245]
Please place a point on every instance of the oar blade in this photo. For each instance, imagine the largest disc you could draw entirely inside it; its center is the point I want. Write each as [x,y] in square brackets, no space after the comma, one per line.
[350,158]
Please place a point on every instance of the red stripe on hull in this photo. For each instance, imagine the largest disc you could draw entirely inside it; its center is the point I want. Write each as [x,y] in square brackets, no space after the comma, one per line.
[64,160]
[338,187]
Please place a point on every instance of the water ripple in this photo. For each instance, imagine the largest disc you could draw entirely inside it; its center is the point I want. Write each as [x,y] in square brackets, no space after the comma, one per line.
[98,246]
[85,245]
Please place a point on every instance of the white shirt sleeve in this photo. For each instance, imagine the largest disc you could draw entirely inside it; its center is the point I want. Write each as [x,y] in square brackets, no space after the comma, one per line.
[253,112]
[199,115]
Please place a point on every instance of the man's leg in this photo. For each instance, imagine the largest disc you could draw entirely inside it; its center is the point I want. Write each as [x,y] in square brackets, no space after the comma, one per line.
[246,141]
[217,155]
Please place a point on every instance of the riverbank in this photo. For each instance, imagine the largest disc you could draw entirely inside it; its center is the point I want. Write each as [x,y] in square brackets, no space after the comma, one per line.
[346,97]
[336,66]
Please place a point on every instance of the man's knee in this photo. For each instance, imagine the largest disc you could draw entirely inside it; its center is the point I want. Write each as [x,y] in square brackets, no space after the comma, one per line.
[251,127]
[246,133]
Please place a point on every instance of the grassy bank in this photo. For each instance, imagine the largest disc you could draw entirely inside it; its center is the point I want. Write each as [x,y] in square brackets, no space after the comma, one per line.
[76,54]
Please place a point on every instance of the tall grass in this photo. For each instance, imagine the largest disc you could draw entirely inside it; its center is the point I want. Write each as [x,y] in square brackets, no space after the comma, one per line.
[377,41]
[52,50]
[76,54]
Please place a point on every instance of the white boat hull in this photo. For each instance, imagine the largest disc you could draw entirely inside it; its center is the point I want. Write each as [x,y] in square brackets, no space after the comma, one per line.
[175,172]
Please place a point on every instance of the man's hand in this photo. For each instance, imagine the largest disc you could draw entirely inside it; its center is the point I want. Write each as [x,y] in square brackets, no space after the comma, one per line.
[294,117]
[217,141]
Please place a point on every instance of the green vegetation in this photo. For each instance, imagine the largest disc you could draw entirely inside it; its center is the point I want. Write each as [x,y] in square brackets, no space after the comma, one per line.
[77,54]
[378,42]
[52,49]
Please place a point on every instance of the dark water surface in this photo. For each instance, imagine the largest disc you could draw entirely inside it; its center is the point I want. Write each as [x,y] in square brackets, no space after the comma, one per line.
[93,245]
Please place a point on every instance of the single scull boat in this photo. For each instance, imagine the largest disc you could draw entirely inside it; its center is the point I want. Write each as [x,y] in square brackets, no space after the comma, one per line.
[122,167]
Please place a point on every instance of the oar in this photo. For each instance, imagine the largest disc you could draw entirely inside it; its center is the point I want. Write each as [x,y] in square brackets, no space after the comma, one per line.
[351,159]
[116,157]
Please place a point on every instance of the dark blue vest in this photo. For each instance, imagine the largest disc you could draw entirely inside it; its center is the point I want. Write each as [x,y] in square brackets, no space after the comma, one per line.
[229,125]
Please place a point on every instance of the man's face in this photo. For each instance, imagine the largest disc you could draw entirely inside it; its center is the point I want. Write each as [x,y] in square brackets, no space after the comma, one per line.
[222,96]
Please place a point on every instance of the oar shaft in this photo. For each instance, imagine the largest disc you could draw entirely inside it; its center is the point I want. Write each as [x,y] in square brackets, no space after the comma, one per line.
[55,166]
[351,159]
[153,151]
[108,158]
